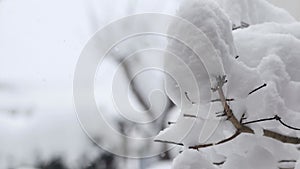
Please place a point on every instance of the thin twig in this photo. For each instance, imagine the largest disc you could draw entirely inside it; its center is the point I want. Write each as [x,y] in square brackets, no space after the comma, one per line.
[243,25]
[243,118]
[256,89]
[169,142]
[218,100]
[190,115]
[219,163]
[287,161]
[220,142]
[276,117]
[236,27]
[288,126]
[188,98]
[259,120]
[220,114]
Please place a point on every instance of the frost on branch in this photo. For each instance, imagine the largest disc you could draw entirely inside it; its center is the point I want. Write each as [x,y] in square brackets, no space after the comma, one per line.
[262,83]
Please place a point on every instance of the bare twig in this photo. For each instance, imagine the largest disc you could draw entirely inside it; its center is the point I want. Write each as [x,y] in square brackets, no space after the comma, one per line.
[189,115]
[287,161]
[256,89]
[259,120]
[169,142]
[230,116]
[171,122]
[220,142]
[276,117]
[219,163]
[243,25]
[220,114]
[243,117]
[288,126]
[188,98]
[218,100]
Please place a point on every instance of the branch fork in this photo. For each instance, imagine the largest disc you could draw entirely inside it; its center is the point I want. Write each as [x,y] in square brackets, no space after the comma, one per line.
[239,125]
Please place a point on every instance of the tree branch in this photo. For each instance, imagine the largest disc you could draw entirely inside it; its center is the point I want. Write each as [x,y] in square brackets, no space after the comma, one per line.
[190,115]
[287,161]
[218,100]
[228,112]
[244,129]
[256,89]
[281,137]
[243,25]
[260,120]
[276,117]
[239,126]
[188,98]
[220,142]
[286,125]
[168,142]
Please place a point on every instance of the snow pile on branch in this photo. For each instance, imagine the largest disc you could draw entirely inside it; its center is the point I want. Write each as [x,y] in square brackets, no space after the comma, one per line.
[208,18]
[254,12]
[190,90]
[263,82]
[196,101]
[192,159]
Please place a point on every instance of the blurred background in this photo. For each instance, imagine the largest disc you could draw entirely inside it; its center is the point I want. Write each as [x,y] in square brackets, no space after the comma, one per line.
[39,47]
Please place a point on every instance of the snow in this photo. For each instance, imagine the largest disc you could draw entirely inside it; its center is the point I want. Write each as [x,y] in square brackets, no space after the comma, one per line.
[297,166]
[268,53]
[161,165]
[192,77]
[189,159]
[258,157]
[209,19]
[41,47]
[274,55]
[254,12]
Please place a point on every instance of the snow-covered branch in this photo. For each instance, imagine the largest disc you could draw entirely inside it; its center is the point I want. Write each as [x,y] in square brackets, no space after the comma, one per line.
[241,128]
